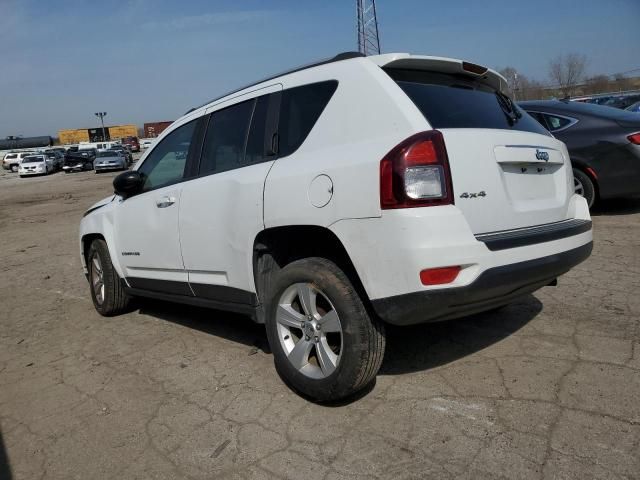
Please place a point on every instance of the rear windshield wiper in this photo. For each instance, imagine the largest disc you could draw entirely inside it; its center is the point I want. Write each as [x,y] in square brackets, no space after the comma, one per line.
[509,109]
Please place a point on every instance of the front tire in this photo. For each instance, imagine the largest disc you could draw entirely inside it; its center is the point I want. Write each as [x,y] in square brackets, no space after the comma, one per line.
[325,344]
[107,292]
[583,185]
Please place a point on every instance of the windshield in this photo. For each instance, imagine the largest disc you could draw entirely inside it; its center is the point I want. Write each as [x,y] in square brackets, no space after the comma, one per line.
[33,159]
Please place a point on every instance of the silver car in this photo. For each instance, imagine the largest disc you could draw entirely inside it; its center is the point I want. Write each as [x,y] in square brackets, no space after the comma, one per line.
[109,160]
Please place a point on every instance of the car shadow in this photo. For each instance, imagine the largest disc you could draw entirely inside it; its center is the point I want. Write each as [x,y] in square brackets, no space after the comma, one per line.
[430,345]
[230,326]
[5,468]
[617,206]
[408,349]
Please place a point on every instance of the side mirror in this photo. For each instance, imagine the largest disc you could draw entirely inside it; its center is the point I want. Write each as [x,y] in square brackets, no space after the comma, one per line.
[128,184]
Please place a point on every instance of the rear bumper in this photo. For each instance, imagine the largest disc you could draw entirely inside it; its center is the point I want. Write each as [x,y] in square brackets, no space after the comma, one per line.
[493,288]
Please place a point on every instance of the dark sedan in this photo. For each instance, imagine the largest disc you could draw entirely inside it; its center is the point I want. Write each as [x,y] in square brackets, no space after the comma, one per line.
[603,143]
[79,160]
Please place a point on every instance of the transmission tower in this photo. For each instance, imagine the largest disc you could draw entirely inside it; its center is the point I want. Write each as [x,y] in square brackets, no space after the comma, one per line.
[368,38]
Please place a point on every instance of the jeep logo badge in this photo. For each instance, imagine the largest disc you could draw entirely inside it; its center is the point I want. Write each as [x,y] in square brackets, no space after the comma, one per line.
[542,155]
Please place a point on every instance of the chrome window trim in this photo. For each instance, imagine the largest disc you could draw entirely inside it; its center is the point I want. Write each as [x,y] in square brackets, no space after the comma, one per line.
[572,121]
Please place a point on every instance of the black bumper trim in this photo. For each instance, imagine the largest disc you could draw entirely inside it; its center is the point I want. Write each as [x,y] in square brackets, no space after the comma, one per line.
[532,235]
[493,288]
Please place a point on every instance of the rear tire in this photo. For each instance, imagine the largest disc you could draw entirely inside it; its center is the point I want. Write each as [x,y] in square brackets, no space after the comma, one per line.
[107,292]
[342,345]
[584,186]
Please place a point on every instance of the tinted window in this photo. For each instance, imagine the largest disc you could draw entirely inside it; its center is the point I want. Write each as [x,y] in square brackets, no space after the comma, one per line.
[166,163]
[256,146]
[300,109]
[447,106]
[539,117]
[226,137]
[556,123]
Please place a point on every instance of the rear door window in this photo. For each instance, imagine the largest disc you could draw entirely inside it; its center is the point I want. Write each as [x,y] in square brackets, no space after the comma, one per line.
[299,111]
[256,150]
[451,101]
[226,138]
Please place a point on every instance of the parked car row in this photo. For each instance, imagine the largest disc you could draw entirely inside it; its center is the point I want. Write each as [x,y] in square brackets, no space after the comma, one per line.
[74,159]
[622,101]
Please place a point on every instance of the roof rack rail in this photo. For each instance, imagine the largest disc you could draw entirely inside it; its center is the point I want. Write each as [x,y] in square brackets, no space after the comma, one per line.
[339,57]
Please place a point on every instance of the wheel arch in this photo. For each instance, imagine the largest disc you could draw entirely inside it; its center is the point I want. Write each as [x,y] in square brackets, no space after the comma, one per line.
[88,235]
[276,247]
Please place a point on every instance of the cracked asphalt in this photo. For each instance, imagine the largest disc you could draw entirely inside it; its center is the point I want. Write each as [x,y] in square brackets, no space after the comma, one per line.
[548,387]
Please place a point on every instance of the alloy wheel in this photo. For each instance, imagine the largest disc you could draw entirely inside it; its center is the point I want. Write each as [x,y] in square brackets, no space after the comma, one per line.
[309,330]
[97,279]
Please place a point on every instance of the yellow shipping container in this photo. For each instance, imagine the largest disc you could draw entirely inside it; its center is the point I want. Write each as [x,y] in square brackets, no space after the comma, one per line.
[73,136]
[115,132]
[121,131]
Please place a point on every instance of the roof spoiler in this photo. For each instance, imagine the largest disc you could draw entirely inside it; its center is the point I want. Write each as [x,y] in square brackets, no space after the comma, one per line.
[443,65]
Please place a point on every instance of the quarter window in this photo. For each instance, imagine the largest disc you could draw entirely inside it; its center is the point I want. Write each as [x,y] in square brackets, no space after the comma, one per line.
[556,123]
[300,109]
[166,163]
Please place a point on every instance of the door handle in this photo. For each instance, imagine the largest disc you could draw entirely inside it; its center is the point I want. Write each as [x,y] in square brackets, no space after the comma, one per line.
[165,202]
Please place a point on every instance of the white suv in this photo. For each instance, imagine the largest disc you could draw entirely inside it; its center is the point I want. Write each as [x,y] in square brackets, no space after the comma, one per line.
[11,161]
[333,198]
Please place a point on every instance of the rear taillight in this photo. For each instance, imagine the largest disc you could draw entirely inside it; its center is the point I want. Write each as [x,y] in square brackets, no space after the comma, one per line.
[635,138]
[416,173]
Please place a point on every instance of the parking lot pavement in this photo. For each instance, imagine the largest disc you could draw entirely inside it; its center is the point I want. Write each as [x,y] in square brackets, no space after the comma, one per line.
[545,388]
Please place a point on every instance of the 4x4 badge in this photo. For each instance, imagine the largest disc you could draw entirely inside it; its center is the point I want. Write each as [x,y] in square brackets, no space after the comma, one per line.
[542,155]
[473,195]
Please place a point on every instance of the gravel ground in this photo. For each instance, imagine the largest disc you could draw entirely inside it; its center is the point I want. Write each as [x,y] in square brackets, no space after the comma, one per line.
[548,387]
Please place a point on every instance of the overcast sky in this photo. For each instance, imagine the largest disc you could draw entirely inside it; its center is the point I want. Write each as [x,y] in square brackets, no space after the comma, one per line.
[152,60]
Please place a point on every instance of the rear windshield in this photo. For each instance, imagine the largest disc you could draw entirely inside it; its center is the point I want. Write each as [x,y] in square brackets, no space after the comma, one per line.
[12,155]
[107,154]
[449,101]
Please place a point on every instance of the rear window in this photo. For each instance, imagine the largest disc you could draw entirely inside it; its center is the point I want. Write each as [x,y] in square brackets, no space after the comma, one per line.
[12,155]
[449,101]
